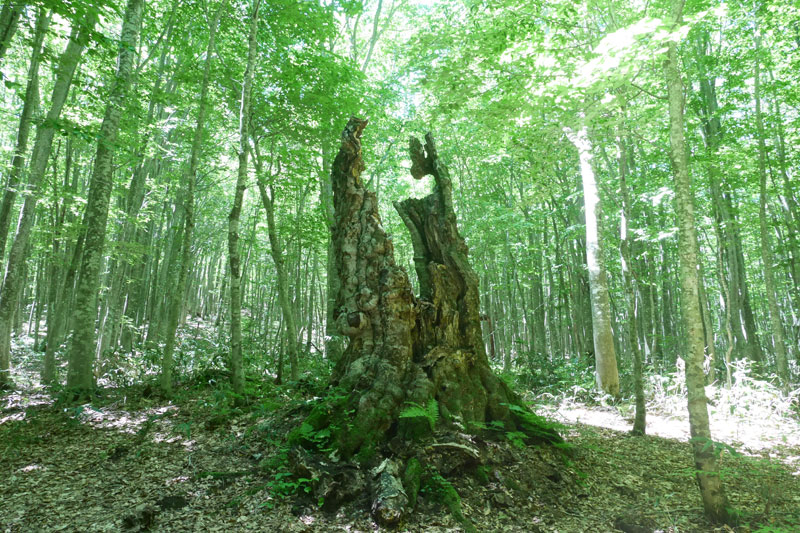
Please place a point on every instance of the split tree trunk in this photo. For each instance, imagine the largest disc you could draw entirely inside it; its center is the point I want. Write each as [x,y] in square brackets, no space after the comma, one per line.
[402,349]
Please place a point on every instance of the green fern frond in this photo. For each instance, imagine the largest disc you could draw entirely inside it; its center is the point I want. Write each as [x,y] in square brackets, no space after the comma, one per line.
[433,412]
[430,412]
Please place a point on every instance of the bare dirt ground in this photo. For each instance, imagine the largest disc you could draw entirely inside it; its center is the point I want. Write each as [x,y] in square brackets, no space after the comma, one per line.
[133,462]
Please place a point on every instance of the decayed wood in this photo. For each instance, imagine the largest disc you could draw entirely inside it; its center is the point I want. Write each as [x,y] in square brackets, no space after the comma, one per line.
[449,345]
[406,350]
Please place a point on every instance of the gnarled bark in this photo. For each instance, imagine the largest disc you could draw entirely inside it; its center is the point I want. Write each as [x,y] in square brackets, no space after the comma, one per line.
[405,350]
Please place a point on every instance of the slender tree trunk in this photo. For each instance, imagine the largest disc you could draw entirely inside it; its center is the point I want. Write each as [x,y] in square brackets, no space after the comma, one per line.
[175,305]
[708,329]
[334,341]
[38,303]
[9,21]
[56,326]
[726,295]
[29,104]
[276,250]
[111,326]
[606,371]
[791,215]
[708,475]
[639,421]
[15,266]
[311,293]
[726,225]
[237,371]
[778,334]
[80,375]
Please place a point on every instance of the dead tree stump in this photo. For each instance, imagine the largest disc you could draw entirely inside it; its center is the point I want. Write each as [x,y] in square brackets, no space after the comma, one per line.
[405,350]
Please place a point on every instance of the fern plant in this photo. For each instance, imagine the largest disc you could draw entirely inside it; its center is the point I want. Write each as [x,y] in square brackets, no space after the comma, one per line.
[429,412]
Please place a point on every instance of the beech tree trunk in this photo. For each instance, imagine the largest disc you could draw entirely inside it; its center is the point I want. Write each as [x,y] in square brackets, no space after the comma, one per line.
[726,224]
[404,349]
[278,257]
[606,372]
[175,305]
[80,374]
[629,280]
[778,332]
[707,470]
[234,260]
[9,21]
[23,132]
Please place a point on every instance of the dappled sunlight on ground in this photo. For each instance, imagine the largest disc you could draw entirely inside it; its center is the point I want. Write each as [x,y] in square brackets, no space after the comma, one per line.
[16,401]
[753,421]
[195,467]
[196,463]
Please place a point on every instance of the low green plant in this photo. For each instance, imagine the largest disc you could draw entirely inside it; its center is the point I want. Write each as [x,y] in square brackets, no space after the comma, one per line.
[539,427]
[436,488]
[282,482]
[430,412]
[185,429]
[718,448]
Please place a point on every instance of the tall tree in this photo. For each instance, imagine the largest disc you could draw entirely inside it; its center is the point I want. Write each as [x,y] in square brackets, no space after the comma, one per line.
[727,225]
[80,374]
[30,102]
[606,372]
[778,332]
[707,470]
[629,286]
[237,372]
[267,192]
[176,301]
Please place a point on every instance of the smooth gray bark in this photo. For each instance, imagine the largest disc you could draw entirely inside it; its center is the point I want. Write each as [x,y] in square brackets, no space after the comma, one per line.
[606,372]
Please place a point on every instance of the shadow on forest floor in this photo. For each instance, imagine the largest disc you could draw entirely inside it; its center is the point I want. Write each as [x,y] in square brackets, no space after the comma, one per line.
[134,462]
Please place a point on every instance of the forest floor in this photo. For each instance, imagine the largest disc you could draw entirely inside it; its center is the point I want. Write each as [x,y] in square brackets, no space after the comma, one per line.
[131,461]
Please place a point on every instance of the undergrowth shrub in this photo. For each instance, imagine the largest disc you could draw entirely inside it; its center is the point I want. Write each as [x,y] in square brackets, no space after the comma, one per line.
[539,372]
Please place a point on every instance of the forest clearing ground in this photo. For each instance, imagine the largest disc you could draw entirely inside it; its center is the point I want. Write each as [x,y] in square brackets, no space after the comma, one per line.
[138,461]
